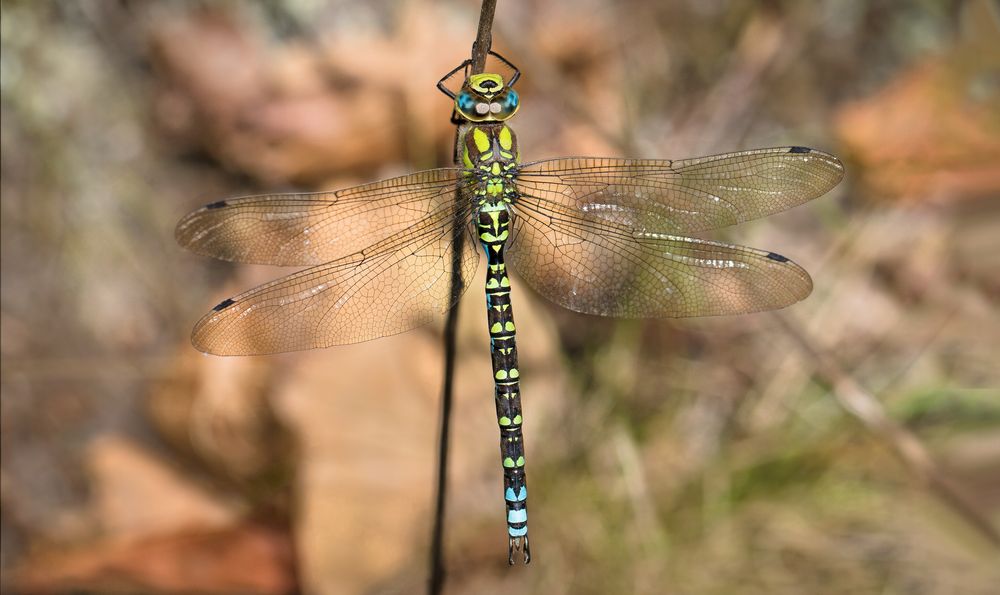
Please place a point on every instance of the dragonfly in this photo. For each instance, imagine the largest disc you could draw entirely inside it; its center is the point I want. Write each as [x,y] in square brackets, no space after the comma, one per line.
[598,235]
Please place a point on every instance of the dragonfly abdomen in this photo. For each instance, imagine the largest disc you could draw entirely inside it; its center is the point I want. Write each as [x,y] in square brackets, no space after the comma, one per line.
[493,227]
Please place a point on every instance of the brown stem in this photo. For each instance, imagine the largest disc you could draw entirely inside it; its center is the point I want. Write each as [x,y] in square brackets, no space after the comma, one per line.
[480,49]
[908,448]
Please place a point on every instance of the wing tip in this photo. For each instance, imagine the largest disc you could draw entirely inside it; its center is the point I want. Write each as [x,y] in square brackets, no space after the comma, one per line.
[800,150]
[797,285]
[181,233]
[798,291]
[834,164]
[205,334]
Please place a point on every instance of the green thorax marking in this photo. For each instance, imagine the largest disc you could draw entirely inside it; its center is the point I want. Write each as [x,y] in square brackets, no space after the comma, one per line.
[490,151]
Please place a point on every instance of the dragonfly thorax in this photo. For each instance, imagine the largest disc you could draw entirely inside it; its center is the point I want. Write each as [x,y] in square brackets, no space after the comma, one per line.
[490,153]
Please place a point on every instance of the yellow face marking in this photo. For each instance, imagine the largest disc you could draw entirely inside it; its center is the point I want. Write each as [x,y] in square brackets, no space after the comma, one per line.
[476,82]
[482,141]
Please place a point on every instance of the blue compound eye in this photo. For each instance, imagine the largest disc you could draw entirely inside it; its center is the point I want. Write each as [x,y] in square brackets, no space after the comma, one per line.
[465,101]
[508,104]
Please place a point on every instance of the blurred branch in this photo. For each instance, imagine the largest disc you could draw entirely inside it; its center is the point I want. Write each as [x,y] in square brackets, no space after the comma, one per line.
[908,448]
[114,364]
[484,36]
[480,49]
[551,81]
[765,45]
[646,522]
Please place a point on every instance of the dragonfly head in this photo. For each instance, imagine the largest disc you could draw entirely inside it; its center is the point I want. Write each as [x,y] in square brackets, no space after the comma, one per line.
[486,98]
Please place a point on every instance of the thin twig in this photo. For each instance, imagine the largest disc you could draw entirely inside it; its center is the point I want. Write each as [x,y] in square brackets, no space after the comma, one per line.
[484,36]
[480,49]
[908,448]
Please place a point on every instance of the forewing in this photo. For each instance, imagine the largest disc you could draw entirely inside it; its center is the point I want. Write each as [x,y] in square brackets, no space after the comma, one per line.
[687,195]
[313,228]
[592,265]
[399,283]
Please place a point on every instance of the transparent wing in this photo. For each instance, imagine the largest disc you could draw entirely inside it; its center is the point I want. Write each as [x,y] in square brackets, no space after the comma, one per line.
[313,228]
[595,264]
[399,283]
[684,196]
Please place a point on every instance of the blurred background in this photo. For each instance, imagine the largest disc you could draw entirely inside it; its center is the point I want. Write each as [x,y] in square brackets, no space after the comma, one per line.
[850,444]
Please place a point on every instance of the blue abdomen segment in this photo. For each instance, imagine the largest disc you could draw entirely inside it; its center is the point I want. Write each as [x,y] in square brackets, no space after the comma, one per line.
[521,496]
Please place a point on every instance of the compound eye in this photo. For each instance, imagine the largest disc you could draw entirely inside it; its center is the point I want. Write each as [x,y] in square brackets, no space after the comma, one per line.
[505,106]
[510,103]
[464,101]
[482,108]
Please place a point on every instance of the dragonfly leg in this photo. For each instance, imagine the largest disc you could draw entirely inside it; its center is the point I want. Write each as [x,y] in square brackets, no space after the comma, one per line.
[441,82]
[517,72]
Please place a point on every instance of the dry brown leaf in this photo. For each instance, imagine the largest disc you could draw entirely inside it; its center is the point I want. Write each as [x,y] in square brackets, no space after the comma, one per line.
[933,133]
[216,410]
[135,493]
[268,114]
[248,558]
